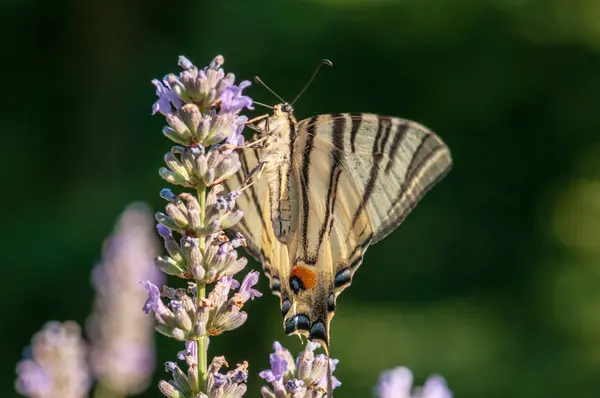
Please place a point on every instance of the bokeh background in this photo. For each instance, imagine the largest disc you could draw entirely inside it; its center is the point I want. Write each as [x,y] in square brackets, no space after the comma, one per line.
[493,281]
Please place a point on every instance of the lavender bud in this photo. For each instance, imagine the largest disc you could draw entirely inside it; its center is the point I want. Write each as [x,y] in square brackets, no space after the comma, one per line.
[179,126]
[176,137]
[266,392]
[167,194]
[191,116]
[179,377]
[182,318]
[194,219]
[187,159]
[203,130]
[167,265]
[173,177]
[166,221]
[192,252]
[177,216]
[176,166]
[169,391]
[170,243]
[193,382]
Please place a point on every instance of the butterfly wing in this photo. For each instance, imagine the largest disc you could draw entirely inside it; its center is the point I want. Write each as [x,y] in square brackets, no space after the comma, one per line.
[256,225]
[250,201]
[359,177]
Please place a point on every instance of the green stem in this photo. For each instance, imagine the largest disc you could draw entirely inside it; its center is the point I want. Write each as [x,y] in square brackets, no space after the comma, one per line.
[200,295]
[202,346]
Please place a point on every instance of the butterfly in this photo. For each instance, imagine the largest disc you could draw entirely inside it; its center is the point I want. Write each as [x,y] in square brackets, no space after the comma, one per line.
[329,187]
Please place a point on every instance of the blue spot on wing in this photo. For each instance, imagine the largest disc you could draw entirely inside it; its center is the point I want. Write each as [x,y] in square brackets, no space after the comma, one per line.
[343,277]
[299,322]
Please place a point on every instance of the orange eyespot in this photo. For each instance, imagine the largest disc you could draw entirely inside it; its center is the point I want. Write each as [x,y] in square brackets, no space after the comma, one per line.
[307,276]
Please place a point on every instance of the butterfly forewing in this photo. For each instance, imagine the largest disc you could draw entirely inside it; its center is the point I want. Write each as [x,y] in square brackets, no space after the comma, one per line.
[392,161]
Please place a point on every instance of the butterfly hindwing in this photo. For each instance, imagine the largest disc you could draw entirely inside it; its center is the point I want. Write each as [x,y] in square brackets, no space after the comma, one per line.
[329,247]
[255,226]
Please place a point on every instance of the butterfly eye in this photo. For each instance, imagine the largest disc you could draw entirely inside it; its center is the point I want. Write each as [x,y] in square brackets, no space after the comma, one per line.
[287,108]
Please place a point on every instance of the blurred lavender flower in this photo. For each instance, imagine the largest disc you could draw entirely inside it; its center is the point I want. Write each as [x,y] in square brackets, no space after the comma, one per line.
[55,364]
[398,383]
[304,377]
[201,108]
[122,338]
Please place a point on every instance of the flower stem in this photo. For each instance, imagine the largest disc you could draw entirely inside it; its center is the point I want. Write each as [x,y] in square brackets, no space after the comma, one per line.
[202,359]
[202,346]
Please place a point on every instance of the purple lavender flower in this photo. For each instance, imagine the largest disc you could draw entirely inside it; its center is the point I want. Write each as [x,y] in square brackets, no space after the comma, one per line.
[182,385]
[232,100]
[191,349]
[237,138]
[167,98]
[122,338]
[246,292]
[153,302]
[306,376]
[398,383]
[55,365]
[279,367]
[201,106]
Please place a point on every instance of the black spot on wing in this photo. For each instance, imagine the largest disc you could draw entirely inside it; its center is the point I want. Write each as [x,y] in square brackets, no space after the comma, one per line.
[296,284]
[331,303]
[285,306]
[343,277]
[318,331]
[275,284]
[298,322]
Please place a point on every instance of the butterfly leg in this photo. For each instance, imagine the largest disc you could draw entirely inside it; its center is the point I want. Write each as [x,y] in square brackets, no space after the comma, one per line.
[256,141]
[257,170]
[256,119]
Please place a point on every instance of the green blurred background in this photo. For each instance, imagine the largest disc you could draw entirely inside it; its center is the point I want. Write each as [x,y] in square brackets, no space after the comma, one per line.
[493,281]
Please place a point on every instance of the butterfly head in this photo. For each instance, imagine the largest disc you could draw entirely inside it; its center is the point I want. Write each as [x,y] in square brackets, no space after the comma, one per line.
[283,109]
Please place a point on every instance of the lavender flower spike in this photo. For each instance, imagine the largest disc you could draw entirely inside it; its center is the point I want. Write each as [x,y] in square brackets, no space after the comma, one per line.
[55,364]
[123,340]
[183,385]
[305,377]
[202,111]
[398,383]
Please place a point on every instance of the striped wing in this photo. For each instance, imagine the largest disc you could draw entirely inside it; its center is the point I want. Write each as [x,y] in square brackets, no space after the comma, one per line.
[250,202]
[256,224]
[359,175]
[393,162]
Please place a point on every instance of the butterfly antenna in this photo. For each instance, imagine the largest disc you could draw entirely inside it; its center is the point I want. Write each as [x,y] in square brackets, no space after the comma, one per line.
[261,104]
[257,79]
[323,62]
